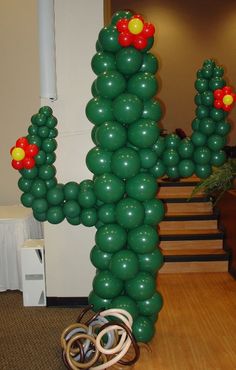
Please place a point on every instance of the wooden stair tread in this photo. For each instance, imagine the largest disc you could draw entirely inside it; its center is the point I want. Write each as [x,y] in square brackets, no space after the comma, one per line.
[194,252]
[192,179]
[189,213]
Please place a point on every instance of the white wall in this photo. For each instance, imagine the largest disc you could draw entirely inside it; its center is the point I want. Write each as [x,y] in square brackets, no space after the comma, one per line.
[69,271]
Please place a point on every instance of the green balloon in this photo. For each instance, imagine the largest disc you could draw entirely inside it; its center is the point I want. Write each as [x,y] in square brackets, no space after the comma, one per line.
[159,146]
[143,239]
[109,188]
[158,170]
[202,155]
[128,60]
[203,171]
[154,211]
[94,90]
[170,157]
[100,259]
[124,264]
[102,62]
[38,188]
[142,187]
[106,213]
[129,213]
[207,98]
[186,168]
[108,39]
[218,158]
[198,139]
[40,216]
[71,208]
[201,85]
[152,110]
[53,133]
[172,141]
[50,158]
[216,142]
[51,183]
[111,135]
[93,134]
[99,110]
[98,161]
[27,199]
[143,133]
[34,139]
[121,14]
[40,158]
[55,215]
[207,71]
[202,111]
[74,220]
[143,329]
[33,130]
[110,84]
[222,128]
[40,205]
[127,108]
[218,71]
[125,163]
[195,124]
[143,84]
[55,196]
[216,83]
[49,145]
[185,148]
[86,184]
[106,285]
[24,184]
[88,217]
[51,122]
[207,126]
[148,157]
[172,172]
[151,262]
[111,238]
[125,303]
[39,119]
[217,114]
[43,132]
[86,197]
[151,306]
[47,172]
[98,302]
[30,174]
[71,190]
[149,63]
[46,110]
[150,42]
[141,287]
[198,99]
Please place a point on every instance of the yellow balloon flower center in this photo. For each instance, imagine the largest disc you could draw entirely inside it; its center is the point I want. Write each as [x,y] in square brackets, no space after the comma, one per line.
[228,99]
[18,154]
[135,26]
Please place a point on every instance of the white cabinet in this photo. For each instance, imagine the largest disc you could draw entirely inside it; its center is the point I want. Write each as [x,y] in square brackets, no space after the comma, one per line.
[33,273]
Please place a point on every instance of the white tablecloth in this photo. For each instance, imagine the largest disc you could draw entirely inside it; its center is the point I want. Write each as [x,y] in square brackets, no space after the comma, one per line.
[17,224]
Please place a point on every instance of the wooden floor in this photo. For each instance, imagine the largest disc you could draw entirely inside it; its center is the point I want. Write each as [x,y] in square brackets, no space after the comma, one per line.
[196,329]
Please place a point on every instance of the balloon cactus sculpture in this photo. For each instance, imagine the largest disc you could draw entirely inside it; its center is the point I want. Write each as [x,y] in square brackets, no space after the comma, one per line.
[128,157]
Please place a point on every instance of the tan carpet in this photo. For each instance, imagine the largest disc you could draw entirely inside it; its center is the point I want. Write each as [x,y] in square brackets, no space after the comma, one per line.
[30,336]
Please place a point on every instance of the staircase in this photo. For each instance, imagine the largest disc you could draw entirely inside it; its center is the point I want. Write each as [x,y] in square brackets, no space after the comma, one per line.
[189,235]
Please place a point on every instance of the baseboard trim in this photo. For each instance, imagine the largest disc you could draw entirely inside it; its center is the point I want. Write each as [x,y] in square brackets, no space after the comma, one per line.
[67,301]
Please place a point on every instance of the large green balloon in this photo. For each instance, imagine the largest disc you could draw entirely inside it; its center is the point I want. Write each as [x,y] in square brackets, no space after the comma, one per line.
[148,157]
[24,184]
[55,196]
[143,84]
[47,172]
[201,85]
[55,215]
[207,126]
[195,124]
[125,303]
[102,62]
[49,145]
[186,168]
[142,187]
[32,173]
[43,131]
[51,183]
[124,264]
[152,110]
[154,211]
[110,84]
[185,148]
[172,172]
[151,306]
[129,213]
[170,157]
[106,285]
[35,139]
[98,160]
[143,133]
[143,239]
[149,64]
[202,155]
[222,128]
[216,83]
[89,217]
[158,170]
[50,158]
[106,213]
[38,188]
[108,39]
[217,114]
[207,98]
[203,171]
[74,220]
[71,190]
[98,302]
[198,138]
[128,60]
[71,208]
[125,163]
[151,262]
[143,329]
[127,108]
[172,141]
[99,110]
[27,199]
[86,197]
[40,216]
[40,158]
[202,111]
[141,287]
[111,238]
[218,158]
[216,142]
[109,188]
[100,259]
[111,135]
